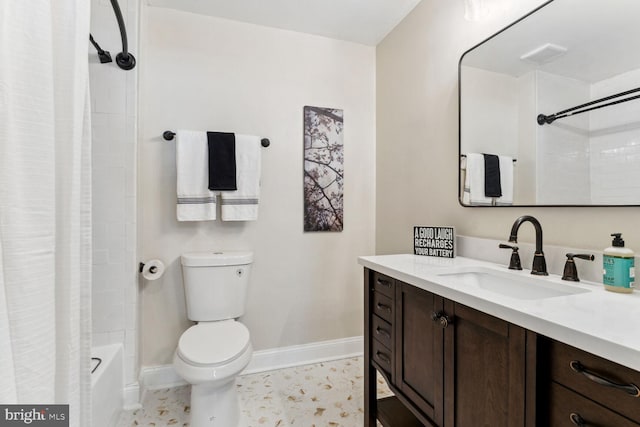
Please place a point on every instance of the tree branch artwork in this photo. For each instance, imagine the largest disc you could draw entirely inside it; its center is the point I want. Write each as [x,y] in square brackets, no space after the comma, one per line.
[323,169]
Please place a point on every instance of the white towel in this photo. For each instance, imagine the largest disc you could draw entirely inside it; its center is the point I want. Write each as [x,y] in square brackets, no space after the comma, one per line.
[195,201]
[474,182]
[242,204]
[506,181]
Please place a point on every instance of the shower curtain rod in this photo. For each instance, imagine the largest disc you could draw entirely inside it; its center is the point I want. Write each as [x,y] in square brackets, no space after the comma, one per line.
[169,135]
[544,119]
[124,59]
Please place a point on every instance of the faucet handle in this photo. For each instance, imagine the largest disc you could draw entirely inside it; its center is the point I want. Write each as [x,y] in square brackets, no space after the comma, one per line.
[514,262]
[588,257]
[570,271]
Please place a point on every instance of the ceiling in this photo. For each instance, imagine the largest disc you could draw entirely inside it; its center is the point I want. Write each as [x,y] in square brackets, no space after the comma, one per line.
[602,40]
[360,21]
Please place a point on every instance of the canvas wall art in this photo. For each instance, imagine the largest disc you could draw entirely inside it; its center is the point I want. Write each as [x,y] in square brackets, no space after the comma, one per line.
[323,169]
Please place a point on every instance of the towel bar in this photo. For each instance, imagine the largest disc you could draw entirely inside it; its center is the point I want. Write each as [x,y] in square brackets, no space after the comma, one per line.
[461,155]
[169,135]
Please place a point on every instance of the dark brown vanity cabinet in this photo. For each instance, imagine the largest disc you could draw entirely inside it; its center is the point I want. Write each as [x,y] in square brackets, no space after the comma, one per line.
[449,365]
[453,366]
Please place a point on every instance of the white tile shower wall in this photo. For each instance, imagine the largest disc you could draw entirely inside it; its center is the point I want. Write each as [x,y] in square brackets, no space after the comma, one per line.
[114,116]
[615,144]
[563,148]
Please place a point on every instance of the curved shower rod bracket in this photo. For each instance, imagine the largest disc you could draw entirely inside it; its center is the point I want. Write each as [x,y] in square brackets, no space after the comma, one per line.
[124,59]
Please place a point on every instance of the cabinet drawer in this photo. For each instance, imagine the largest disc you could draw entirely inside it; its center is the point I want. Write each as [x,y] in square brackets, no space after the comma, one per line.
[383,306]
[382,331]
[382,356]
[383,284]
[567,361]
[571,409]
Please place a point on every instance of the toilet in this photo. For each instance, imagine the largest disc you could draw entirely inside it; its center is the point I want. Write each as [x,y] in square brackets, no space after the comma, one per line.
[212,353]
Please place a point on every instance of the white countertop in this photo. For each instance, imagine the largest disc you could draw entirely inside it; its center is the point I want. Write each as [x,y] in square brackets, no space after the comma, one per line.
[603,323]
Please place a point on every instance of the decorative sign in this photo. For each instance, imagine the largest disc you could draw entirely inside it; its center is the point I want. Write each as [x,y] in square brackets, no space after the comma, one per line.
[434,241]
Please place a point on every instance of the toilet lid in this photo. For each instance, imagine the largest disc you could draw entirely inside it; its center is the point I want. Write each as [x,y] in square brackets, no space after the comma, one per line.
[213,342]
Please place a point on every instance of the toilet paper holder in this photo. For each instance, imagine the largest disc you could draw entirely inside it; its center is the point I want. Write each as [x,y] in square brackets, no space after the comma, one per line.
[152,270]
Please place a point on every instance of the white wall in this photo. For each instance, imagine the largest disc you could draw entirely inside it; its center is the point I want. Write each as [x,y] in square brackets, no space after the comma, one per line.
[490,113]
[417,131]
[206,73]
[524,191]
[113,120]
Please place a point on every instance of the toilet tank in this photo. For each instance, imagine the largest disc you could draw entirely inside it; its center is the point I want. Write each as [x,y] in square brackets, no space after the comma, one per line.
[215,284]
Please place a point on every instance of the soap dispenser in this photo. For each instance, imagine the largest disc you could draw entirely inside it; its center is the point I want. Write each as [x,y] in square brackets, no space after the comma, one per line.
[618,264]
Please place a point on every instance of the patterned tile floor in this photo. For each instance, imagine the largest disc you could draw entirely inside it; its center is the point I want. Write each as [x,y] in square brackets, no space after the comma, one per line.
[329,394]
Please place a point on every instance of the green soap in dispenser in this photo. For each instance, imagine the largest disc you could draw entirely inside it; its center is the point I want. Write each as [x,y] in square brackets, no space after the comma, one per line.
[618,273]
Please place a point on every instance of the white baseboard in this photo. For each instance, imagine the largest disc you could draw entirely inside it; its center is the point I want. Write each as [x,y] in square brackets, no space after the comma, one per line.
[164,376]
[157,377]
[304,354]
[131,397]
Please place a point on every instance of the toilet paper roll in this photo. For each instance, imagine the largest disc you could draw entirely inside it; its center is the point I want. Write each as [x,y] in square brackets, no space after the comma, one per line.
[153,269]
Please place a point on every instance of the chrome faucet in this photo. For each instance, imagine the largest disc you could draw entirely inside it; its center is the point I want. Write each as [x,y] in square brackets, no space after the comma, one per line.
[539,264]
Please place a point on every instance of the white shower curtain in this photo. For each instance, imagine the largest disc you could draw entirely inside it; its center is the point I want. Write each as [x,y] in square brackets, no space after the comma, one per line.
[45,205]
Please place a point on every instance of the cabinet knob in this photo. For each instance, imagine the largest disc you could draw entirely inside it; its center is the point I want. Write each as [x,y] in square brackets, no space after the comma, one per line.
[441,318]
[444,321]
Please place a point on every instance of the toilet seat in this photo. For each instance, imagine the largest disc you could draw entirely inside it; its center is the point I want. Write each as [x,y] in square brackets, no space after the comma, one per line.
[213,343]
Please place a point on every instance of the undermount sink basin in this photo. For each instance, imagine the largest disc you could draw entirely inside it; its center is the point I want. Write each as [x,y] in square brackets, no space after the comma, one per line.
[512,285]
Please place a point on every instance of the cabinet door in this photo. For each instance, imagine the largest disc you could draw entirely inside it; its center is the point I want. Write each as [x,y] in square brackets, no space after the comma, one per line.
[419,349]
[484,370]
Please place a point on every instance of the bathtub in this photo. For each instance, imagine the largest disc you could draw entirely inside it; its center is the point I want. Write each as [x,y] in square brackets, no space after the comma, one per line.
[107,382]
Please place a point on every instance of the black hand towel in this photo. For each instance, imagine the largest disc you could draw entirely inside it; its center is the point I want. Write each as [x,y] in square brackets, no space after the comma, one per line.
[492,184]
[222,161]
